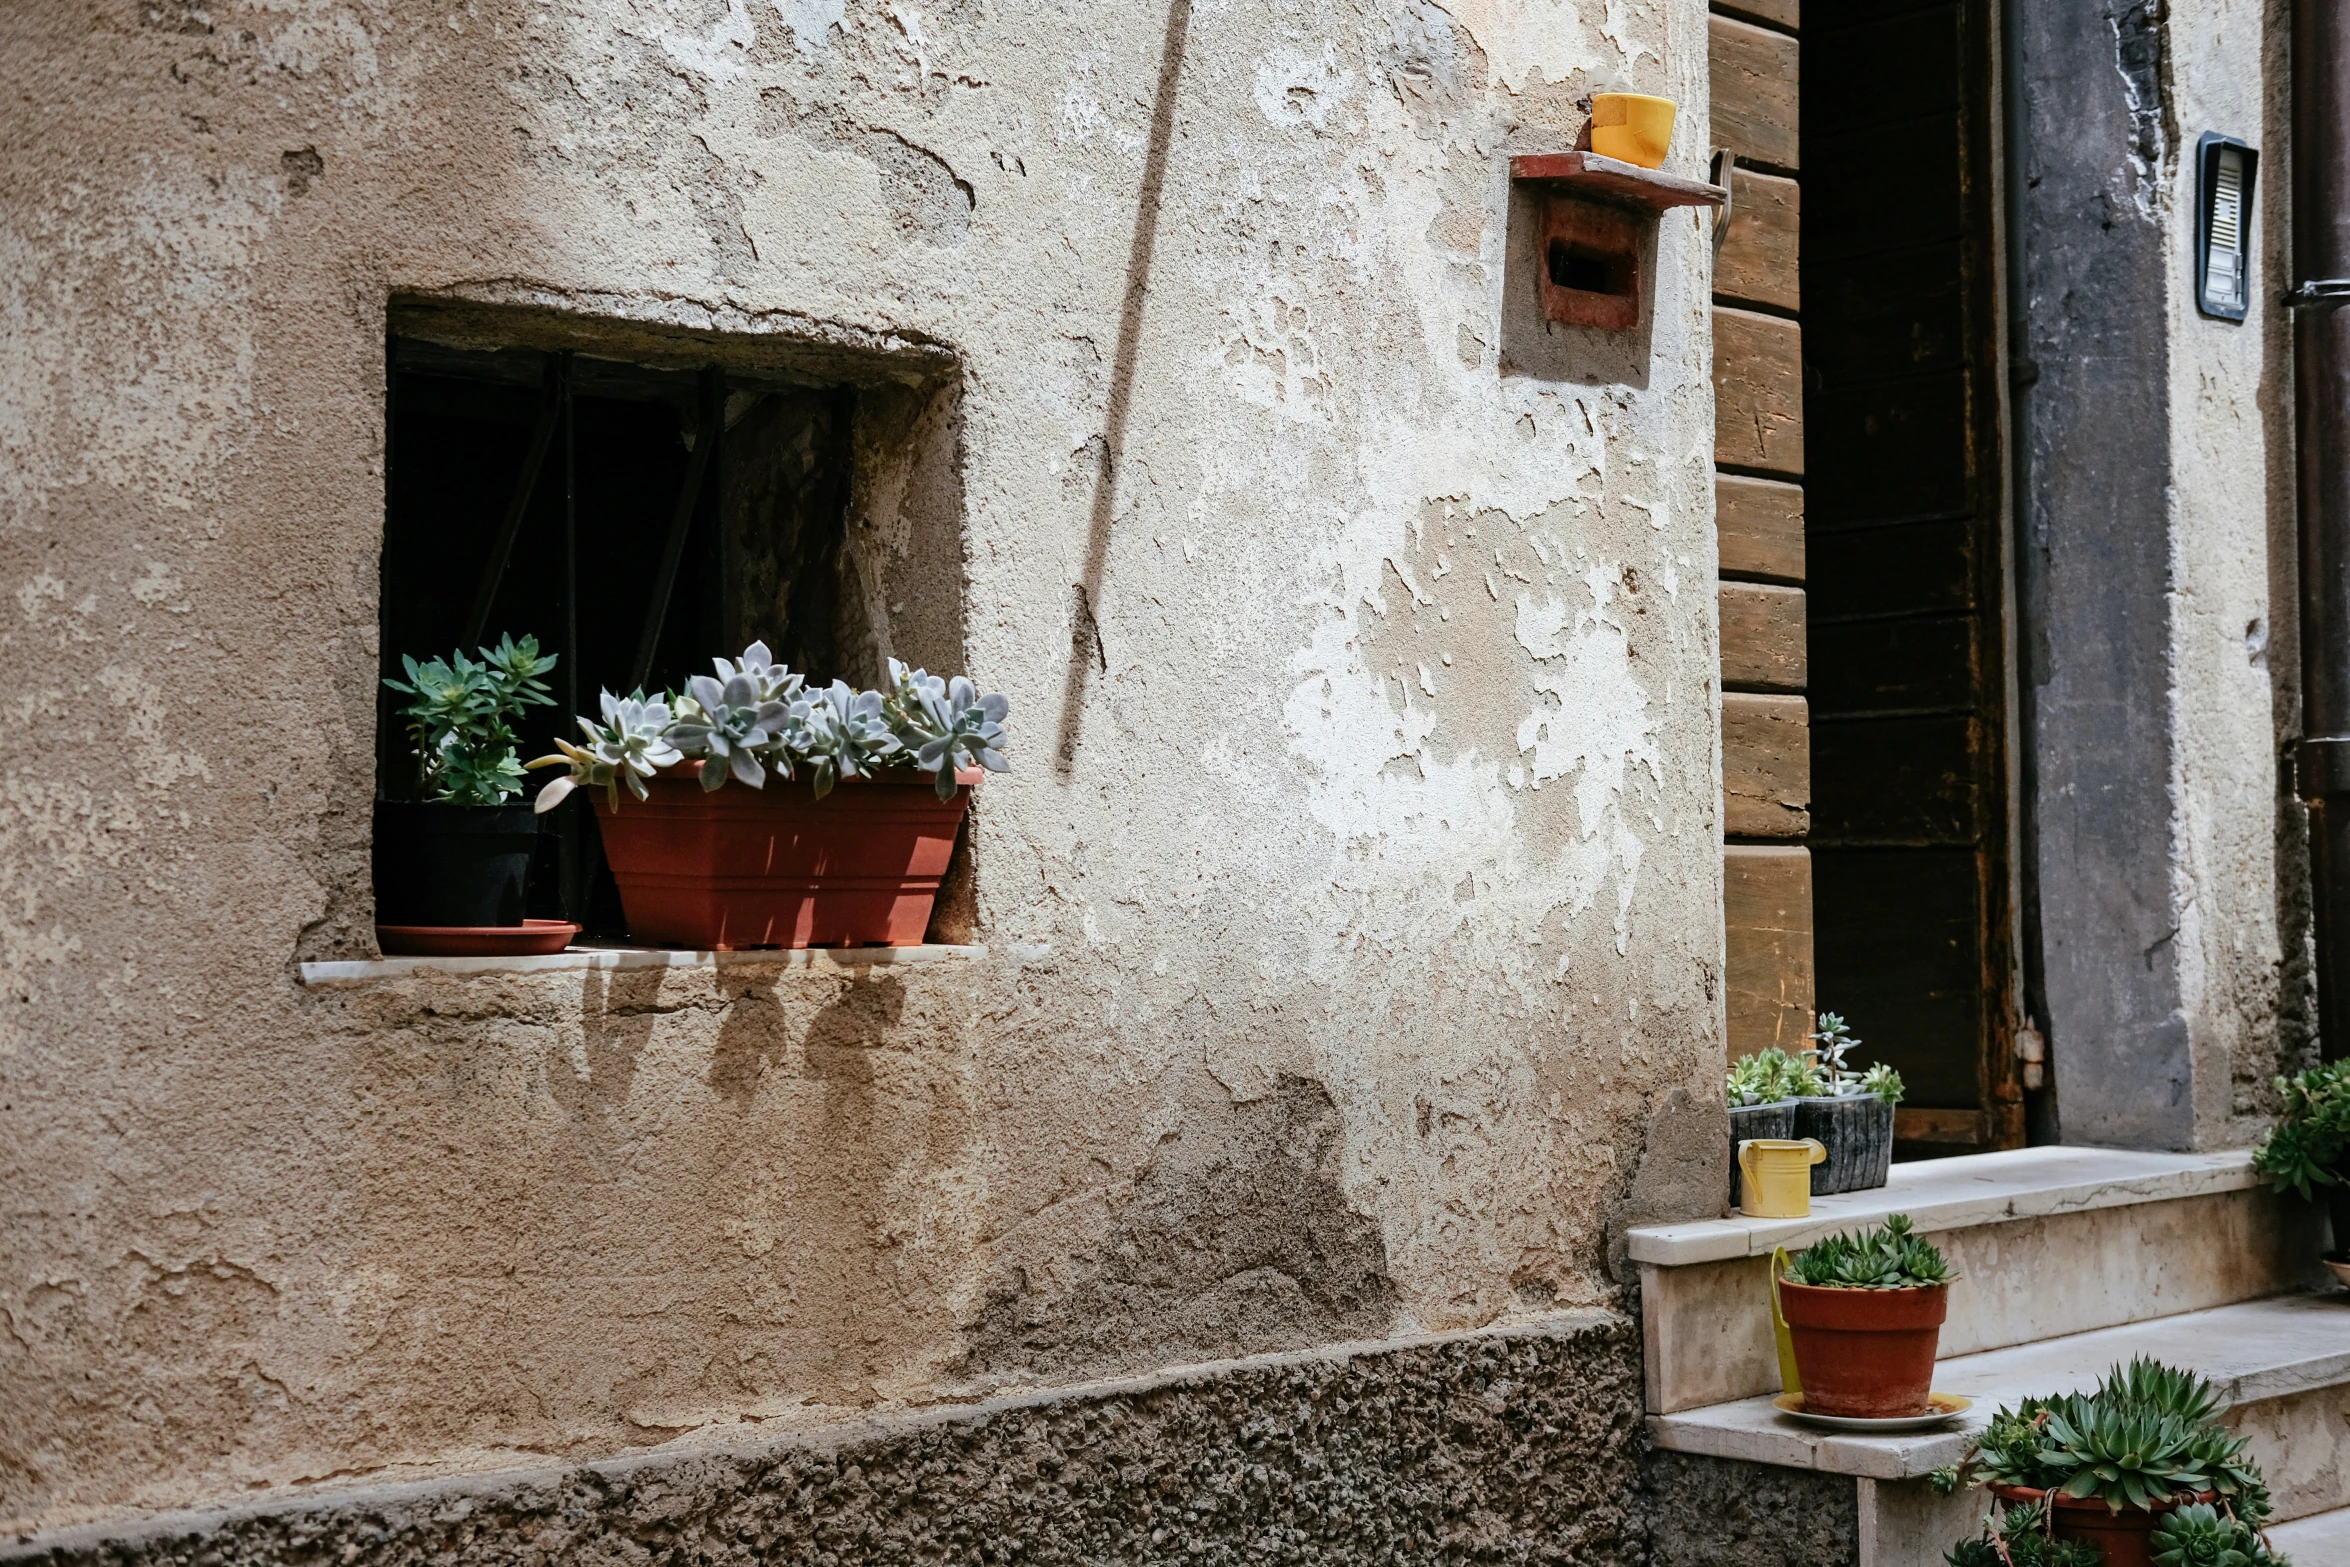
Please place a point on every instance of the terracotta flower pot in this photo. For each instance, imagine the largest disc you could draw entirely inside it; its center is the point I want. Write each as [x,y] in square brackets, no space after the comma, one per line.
[1867,1354]
[2123,1539]
[777,867]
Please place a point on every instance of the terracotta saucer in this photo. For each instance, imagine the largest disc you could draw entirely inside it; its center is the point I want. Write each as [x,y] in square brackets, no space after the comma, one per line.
[2341,1270]
[531,938]
[1940,1407]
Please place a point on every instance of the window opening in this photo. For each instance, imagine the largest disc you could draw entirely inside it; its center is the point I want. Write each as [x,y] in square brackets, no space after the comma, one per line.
[637,519]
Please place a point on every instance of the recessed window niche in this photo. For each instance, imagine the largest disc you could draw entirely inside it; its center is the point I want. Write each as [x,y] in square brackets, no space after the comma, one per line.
[641,499]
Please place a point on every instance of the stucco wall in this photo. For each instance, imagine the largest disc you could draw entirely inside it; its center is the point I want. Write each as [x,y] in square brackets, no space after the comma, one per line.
[2243,916]
[1349,976]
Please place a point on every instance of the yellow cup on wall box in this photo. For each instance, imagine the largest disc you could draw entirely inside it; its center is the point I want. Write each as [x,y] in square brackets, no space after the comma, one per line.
[1777,1173]
[1632,127]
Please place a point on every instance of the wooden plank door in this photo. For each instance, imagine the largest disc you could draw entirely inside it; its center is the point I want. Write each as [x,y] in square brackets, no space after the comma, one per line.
[1904,543]
[1759,512]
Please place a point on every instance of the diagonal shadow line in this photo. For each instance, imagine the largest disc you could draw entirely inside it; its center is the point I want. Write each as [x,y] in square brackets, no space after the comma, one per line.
[1085,649]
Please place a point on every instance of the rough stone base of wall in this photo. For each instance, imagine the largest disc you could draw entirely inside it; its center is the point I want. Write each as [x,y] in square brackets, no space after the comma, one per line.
[1511,1445]
[1713,1512]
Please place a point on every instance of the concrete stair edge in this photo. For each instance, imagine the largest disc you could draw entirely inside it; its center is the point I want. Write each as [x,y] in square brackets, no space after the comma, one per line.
[1961,1193]
[2319,1540]
[2254,1352]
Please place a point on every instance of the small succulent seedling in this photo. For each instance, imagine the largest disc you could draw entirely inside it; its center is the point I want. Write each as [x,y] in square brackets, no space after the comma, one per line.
[2200,1535]
[1829,1048]
[2020,1538]
[1890,1257]
[1831,1066]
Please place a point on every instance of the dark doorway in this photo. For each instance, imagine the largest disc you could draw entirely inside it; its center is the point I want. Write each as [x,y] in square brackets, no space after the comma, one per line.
[637,520]
[1910,799]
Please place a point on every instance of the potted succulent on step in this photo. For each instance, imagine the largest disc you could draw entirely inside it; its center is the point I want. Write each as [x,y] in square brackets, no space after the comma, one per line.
[1850,1114]
[845,822]
[1763,1088]
[2019,1537]
[2308,1150]
[451,863]
[1865,1312]
[2141,1470]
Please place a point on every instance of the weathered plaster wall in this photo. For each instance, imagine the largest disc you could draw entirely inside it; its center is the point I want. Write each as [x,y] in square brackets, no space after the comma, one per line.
[2155,579]
[1354,912]
[2232,448]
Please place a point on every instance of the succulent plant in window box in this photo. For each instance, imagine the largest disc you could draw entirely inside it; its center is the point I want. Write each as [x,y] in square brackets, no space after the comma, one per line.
[1850,1112]
[1763,1088]
[840,826]
[2139,1469]
[1865,1311]
[455,854]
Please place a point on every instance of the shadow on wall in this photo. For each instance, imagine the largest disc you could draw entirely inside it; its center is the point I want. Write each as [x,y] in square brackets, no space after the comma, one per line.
[1236,1241]
[1084,637]
[670,1194]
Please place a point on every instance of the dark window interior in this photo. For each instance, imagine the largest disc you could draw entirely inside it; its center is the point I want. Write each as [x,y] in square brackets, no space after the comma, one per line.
[1909,798]
[756,529]
[1593,271]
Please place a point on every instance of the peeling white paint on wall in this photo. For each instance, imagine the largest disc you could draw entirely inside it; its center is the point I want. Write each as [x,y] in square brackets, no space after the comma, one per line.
[811,23]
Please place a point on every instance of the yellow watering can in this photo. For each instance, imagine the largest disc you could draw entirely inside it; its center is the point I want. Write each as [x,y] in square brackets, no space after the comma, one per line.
[1777,1176]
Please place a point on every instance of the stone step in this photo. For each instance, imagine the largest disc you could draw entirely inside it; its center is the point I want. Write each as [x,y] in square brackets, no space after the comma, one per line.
[2320,1540]
[2281,1365]
[2047,1241]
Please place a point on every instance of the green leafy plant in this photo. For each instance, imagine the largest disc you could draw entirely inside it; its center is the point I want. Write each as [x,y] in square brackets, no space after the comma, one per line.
[2200,1535]
[2306,1148]
[1882,1081]
[2147,1434]
[1768,1076]
[461,719]
[1890,1257]
[2020,1538]
[758,719]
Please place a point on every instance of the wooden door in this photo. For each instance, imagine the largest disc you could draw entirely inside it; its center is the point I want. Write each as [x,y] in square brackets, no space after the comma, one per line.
[1905,533]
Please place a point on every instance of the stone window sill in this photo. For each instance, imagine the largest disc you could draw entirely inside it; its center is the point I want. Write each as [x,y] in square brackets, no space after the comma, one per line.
[591,956]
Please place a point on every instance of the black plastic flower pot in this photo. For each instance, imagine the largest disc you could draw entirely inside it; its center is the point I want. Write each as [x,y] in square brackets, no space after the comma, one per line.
[1776,1119]
[1857,1131]
[452,864]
